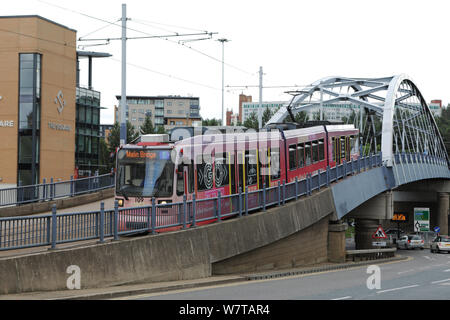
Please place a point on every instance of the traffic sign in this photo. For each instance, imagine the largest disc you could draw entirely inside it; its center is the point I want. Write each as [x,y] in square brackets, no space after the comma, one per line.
[399,217]
[379,233]
[421,219]
[437,229]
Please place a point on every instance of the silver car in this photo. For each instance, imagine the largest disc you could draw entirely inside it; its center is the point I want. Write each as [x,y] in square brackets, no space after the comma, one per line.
[410,242]
[440,244]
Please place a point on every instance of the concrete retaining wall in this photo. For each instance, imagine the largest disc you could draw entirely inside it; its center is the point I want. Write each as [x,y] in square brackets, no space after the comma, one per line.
[186,254]
[39,207]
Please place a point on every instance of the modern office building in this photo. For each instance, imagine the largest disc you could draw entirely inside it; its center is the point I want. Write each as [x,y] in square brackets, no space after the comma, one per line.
[42,112]
[167,111]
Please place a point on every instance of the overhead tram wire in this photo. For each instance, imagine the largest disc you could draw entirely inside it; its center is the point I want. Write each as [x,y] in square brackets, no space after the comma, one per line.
[140,31]
[168,75]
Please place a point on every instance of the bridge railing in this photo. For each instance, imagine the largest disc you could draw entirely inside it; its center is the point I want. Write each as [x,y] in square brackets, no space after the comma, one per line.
[53,229]
[50,190]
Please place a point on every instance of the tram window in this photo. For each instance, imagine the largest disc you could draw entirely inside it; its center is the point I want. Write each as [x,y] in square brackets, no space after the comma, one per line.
[204,174]
[315,151]
[321,150]
[333,148]
[292,157]
[342,147]
[221,174]
[263,167]
[251,168]
[274,163]
[301,155]
[180,180]
[308,153]
[240,170]
[232,172]
[347,148]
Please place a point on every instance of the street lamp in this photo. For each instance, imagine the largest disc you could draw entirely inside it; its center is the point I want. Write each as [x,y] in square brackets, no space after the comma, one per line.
[223,40]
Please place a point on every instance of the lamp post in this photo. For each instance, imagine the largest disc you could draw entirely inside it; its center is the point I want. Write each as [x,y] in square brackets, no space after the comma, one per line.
[223,40]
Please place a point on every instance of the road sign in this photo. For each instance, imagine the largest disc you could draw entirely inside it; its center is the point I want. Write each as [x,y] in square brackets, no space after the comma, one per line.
[437,229]
[399,217]
[379,233]
[421,219]
[379,243]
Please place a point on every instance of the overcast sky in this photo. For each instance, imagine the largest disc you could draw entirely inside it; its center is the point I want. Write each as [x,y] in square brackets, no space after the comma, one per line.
[296,43]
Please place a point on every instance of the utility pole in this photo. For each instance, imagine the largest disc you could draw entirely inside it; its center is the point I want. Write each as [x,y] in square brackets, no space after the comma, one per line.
[223,40]
[123,99]
[260,98]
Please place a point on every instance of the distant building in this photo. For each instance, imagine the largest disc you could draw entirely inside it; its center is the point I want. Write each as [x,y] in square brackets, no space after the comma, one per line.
[105,131]
[249,107]
[167,111]
[243,98]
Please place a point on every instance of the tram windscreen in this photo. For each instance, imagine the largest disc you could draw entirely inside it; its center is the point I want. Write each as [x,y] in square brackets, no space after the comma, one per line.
[144,173]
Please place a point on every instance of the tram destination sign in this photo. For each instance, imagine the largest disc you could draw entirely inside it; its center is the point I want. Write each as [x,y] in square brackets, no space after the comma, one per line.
[146,154]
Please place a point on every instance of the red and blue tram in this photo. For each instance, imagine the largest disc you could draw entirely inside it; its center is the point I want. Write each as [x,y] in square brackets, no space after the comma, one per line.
[205,164]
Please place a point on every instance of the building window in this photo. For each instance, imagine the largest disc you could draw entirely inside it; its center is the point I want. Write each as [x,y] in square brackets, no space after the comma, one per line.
[29,119]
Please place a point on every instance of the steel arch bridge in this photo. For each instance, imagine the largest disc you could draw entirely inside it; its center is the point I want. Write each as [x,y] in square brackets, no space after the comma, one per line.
[393,116]
[394,120]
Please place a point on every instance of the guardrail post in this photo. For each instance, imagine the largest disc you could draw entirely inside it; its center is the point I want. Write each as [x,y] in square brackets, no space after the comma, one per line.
[328,176]
[116,220]
[246,200]
[44,193]
[193,211]
[102,222]
[54,221]
[71,186]
[264,196]
[240,201]
[296,188]
[318,178]
[279,193]
[184,211]
[51,189]
[219,206]
[344,165]
[153,215]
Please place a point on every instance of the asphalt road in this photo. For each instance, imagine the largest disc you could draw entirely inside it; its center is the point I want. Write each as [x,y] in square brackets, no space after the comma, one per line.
[424,276]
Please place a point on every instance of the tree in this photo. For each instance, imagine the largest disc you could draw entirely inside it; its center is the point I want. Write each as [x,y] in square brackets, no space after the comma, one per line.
[301,117]
[252,121]
[443,123]
[114,138]
[211,122]
[147,127]
[105,161]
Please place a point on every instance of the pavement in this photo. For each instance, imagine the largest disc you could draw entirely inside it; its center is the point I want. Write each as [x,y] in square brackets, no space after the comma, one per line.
[155,287]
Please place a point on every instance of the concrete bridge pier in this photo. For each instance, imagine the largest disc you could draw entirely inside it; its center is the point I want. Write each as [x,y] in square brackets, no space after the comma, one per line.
[336,241]
[369,216]
[442,218]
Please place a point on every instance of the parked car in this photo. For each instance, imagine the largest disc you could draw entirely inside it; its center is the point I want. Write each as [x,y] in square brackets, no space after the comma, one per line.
[411,241]
[393,234]
[440,244]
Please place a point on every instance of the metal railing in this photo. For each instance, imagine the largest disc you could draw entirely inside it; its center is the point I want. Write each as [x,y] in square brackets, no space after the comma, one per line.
[53,229]
[48,191]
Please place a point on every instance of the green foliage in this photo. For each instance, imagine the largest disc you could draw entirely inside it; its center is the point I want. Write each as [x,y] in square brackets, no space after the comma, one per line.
[443,123]
[252,121]
[211,122]
[147,127]
[114,138]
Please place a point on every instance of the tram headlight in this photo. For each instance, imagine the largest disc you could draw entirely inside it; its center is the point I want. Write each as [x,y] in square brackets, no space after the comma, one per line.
[120,202]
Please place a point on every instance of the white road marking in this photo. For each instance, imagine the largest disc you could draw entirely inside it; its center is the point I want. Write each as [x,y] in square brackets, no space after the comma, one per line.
[401,288]
[427,257]
[406,271]
[448,270]
[343,298]
[439,281]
